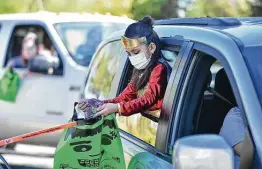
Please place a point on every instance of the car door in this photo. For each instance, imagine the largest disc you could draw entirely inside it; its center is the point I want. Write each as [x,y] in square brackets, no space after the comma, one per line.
[140,134]
[198,62]
[41,99]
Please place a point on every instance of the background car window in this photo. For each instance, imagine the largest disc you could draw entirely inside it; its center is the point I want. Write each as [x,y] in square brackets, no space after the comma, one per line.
[143,127]
[43,46]
[82,39]
[103,70]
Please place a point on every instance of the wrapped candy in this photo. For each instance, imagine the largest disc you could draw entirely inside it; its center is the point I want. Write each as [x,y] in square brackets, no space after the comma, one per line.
[93,104]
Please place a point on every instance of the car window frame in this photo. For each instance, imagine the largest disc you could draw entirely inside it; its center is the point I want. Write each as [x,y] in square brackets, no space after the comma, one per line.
[173,97]
[219,56]
[48,32]
[98,47]
[169,43]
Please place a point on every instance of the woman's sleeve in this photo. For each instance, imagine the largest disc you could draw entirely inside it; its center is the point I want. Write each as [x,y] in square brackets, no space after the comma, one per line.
[155,91]
[129,93]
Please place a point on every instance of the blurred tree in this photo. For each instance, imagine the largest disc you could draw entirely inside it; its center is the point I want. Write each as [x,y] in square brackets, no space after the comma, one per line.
[156,8]
[219,8]
[13,6]
[169,9]
[256,6]
[115,7]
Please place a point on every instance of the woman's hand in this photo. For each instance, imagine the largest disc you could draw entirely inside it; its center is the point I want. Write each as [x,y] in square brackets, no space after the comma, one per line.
[83,105]
[106,109]
[86,103]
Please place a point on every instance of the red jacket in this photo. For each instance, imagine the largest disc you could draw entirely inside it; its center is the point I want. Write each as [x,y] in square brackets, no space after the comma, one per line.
[152,98]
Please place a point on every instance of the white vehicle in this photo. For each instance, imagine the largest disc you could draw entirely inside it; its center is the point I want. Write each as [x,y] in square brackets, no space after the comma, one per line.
[45,100]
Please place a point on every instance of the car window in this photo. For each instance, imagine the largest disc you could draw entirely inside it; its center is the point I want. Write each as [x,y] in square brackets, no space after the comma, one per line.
[103,70]
[140,126]
[28,41]
[206,115]
[222,114]
[82,39]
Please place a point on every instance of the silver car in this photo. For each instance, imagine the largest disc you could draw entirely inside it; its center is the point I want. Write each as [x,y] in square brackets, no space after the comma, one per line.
[46,98]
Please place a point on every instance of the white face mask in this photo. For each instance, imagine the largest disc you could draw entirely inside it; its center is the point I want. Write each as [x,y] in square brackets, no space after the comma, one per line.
[140,61]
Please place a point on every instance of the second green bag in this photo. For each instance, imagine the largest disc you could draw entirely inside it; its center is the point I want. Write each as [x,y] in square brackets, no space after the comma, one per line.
[9,85]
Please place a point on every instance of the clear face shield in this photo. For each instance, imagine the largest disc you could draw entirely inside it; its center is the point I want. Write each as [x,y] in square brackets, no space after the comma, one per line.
[129,43]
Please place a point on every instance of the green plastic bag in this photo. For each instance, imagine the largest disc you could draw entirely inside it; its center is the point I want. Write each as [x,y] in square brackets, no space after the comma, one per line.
[9,85]
[94,145]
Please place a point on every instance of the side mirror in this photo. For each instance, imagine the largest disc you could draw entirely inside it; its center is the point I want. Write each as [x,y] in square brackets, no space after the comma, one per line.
[203,151]
[43,64]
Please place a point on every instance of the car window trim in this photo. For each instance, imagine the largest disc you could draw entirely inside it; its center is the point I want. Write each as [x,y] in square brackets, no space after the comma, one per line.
[164,129]
[174,97]
[172,41]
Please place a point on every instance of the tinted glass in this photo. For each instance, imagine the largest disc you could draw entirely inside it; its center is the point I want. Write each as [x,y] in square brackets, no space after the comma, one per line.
[140,126]
[82,39]
[103,70]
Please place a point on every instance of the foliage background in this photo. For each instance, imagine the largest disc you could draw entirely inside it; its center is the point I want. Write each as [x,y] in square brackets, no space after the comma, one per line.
[136,9]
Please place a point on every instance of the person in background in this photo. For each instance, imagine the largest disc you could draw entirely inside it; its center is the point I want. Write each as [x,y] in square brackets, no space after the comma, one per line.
[147,87]
[46,48]
[29,50]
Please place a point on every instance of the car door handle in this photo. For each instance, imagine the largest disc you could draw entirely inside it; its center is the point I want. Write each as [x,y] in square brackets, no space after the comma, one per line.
[74,88]
[56,113]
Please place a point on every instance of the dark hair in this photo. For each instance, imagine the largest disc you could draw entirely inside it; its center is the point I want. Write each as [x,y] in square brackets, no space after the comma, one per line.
[144,28]
[47,42]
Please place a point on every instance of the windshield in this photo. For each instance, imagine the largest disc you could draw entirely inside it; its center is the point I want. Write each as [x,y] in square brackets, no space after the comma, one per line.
[253,58]
[82,39]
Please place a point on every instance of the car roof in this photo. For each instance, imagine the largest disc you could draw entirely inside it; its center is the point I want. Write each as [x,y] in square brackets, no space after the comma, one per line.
[51,17]
[244,31]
